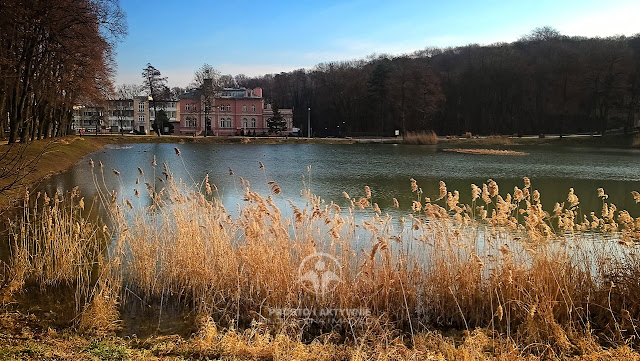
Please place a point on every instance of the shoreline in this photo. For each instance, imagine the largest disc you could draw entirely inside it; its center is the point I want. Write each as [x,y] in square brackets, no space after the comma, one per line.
[58,155]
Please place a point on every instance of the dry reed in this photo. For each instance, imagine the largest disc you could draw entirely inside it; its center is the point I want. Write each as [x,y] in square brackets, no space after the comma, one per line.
[485,151]
[424,138]
[539,283]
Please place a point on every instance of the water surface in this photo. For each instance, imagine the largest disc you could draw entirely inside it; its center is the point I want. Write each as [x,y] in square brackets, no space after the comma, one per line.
[386,168]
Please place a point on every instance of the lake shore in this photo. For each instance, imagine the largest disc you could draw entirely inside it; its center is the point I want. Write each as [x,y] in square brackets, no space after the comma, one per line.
[57,155]
[39,160]
[530,296]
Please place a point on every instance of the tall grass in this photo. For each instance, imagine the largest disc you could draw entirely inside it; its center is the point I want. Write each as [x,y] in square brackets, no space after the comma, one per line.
[548,283]
[53,244]
[425,138]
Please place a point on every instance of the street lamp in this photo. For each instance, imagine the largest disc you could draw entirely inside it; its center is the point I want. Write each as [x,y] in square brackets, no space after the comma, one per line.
[309,123]
[150,102]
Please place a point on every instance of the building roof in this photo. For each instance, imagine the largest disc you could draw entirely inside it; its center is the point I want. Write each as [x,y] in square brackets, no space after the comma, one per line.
[233,93]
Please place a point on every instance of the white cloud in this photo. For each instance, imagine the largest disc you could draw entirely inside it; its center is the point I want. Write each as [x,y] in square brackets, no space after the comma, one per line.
[615,19]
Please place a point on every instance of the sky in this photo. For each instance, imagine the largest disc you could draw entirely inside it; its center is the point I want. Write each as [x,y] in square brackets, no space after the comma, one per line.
[261,37]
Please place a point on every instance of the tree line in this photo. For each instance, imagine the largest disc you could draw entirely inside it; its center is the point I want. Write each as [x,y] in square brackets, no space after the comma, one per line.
[54,55]
[543,83]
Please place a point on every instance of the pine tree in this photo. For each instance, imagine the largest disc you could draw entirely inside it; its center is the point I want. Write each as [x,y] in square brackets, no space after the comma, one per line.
[276,123]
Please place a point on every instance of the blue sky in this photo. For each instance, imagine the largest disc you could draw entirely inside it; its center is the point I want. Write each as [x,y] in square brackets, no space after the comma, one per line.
[260,37]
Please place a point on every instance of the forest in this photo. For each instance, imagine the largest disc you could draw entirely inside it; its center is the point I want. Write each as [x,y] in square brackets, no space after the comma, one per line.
[543,83]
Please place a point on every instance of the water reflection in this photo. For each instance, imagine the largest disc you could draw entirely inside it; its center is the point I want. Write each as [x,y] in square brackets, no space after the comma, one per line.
[385,168]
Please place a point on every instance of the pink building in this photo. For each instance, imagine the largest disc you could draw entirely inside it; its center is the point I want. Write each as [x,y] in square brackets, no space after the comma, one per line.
[229,111]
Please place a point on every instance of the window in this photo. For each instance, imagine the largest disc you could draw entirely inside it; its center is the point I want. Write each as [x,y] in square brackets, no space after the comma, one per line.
[222,108]
[244,108]
[228,107]
[225,123]
[141,118]
[141,107]
[244,123]
[253,122]
[186,107]
[253,108]
[190,122]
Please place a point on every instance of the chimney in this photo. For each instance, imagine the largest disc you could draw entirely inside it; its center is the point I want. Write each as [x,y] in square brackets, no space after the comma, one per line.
[257,92]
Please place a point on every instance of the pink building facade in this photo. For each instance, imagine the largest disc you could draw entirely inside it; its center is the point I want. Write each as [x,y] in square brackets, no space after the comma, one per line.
[229,111]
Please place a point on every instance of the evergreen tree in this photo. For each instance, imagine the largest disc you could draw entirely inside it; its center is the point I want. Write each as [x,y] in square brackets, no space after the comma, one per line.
[162,121]
[276,123]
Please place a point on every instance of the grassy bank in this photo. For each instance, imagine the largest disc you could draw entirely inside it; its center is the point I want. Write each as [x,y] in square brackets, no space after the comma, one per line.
[29,164]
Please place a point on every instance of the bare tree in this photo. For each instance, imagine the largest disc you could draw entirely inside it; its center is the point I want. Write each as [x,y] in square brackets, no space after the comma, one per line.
[52,56]
[129,91]
[206,71]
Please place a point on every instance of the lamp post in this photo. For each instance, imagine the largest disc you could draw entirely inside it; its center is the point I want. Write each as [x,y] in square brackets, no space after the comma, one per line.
[151,101]
[309,123]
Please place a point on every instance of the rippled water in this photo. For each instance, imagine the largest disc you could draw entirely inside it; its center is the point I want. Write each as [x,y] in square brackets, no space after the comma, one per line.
[385,168]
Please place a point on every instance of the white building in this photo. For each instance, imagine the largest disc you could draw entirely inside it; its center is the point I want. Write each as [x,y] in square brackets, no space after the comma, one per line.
[123,115]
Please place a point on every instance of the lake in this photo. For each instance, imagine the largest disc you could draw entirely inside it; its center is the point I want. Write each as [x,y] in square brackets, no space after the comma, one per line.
[334,169]
[386,168]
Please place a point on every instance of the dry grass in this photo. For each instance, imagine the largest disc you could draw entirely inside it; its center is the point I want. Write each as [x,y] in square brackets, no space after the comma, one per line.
[53,244]
[424,138]
[467,140]
[517,281]
[485,151]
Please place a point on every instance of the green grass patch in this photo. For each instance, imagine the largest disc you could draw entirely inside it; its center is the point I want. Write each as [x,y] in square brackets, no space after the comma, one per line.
[108,351]
[29,352]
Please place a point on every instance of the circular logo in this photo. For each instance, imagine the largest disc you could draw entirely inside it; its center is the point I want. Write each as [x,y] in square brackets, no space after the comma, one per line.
[320,273]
